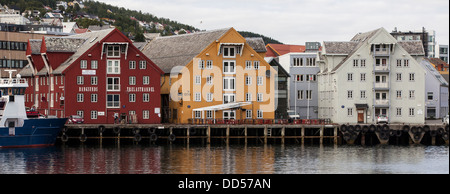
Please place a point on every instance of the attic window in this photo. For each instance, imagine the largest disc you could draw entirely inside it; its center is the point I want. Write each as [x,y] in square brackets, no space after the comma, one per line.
[229,50]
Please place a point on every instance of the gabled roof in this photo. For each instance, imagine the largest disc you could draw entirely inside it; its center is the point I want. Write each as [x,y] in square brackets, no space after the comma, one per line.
[430,68]
[63,44]
[35,46]
[438,61]
[170,51]
[257,43]
[413,47]
[340,47]
[282,49]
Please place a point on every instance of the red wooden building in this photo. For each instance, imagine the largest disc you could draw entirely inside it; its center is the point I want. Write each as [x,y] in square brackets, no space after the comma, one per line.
[95,75]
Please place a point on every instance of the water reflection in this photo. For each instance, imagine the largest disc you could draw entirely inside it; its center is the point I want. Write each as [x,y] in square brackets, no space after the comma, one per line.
[233,159]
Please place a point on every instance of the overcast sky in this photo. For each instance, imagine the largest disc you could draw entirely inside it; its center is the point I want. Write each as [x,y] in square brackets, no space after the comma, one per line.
[298,21]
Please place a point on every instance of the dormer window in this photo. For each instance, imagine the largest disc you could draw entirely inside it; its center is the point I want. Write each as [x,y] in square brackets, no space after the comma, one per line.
[113,51]
[229,51]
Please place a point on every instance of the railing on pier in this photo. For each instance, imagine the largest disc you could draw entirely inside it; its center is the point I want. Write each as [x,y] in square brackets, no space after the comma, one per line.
[258,121]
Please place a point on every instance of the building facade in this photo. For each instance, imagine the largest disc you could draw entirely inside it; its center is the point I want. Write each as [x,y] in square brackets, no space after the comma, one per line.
[443,52]
[213,76]
[373,74]
[95,75]
[436,99]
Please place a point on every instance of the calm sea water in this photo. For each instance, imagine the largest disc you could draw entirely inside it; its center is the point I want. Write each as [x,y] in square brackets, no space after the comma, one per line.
[233,159]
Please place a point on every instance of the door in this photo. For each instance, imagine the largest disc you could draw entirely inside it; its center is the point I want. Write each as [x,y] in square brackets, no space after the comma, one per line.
[360,115]
[228,115]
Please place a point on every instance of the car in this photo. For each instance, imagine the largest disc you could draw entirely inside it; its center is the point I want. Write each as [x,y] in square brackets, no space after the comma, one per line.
[76,119]
[445,120]
[382,119]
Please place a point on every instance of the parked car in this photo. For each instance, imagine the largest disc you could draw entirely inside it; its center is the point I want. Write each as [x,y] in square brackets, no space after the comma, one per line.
[382,119]
[75,119]
[445,120]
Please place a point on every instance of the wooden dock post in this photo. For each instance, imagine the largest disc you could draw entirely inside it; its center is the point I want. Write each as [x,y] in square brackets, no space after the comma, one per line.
[245,134]
[187,135]
[335,136]
[321,134]
[265,134]
[228,134]
[283,131]
[208,133]
[303,135]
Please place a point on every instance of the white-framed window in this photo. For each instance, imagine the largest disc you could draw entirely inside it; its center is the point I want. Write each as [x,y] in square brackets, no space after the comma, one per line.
[209,114]
[412,77]
[80,80]
[309,94]
[248,65]
[146,80]
[229,67]
[297,62]
[363,63]
[209,64]
[355,62]
[94,64]
[209,80]
[94,98]
[350,94]
[311,78]
[256,65]
[430,96]
[198,97]
[248,97]
[83,64]
[399,94]
[412,94]
[363,94]
[142,64]
[406,63]
[260,80]
[260,114]
[399,77]
[146,97]
[113,67]
[145,114]
[197,114]
[248,114]
[132,112]
[299,78]
[94,114]
[229,51]
[113,101]
[349,76]
[411,111]
[229,83]
[209,97]
[132,64]
[80,113]
[299,94]
[113,50]
[201,64]
[259,97]
[132,97]
[80,97]
[399,63]
[113,84]
[132,80]
[349,111]
[198,80]
[363,77]
[248,80]
[229,98]
[399,112]
[94,80]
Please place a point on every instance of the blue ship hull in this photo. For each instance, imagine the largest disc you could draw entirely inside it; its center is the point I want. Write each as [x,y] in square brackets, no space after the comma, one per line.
[34,133]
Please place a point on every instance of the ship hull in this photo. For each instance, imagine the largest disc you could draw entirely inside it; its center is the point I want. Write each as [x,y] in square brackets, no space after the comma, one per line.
[34,133]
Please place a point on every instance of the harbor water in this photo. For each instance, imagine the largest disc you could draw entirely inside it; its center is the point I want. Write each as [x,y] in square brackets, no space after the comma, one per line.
[231,159]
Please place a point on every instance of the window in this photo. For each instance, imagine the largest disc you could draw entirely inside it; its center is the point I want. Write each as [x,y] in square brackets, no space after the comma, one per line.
[132,64]
[363,77]
[248,65]
[349,111]
[146,97]
[113,101]
[411,111]
[132,80]
[355,62]
[411,77]
[259,97]
[229,67]
[399,77]
[309,94]
[198,97]
[94,80]
[399,63]
[80,113]
[94,64]
[209,80]
[311,77]
[299,94]
[83,64]
[229,51]
[113,67]
[256,64]
[94,114]
[248,97]
[350,94]
[209,114]
[198,114]
[132,97]
[209,64]
[299,78]
[298,62]
[80,97]
[113,51]
[80,80]
[229,84]
[209,97]
[142,64]
[248,114]
[228,98]
[146,80]
[248,80]
[260,114]
[363,63]
[363,94]
[350,77]
[406,62]
[145,114]
[113,84]
[94,98]
[411,94]
[260,80]
[399,94]
[430,95]
[399,112]
[201,64]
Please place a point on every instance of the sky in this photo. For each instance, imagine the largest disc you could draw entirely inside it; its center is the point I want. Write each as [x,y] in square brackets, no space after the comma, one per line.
[300,21]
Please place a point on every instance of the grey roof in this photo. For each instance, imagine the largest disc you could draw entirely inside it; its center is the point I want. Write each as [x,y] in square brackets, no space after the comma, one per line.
[257,43]
[91,39]
[98,28]
[63,44]
[26,71]
[140,45]
[431,69]
[340,47]
[170,51]
[413,47]
[35,45]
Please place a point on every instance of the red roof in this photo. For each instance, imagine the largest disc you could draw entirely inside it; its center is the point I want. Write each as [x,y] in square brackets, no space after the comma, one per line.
[81,31]
[275,50]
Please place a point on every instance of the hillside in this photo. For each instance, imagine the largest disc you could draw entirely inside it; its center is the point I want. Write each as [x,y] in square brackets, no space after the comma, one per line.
[130,22]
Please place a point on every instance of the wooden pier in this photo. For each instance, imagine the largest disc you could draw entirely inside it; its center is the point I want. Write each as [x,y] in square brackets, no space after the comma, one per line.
[396,134]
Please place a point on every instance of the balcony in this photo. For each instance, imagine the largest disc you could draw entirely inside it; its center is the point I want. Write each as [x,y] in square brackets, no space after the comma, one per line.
[381,86]
[381,52]
[381,68]
[382,103]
